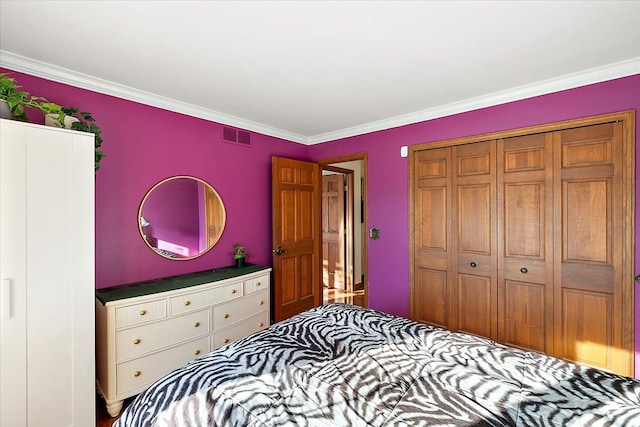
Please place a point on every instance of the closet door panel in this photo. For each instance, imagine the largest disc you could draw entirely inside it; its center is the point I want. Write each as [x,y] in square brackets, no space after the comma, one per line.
[474,293]
[474,304]
[432,301]
[432,280]
[588,286]
[525,313]
[525,261]
[587,327]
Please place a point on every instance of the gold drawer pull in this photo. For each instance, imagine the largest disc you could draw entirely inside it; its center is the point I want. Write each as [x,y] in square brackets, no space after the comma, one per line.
[261,302]
[197,352]
[137,373]
[261,324]
[136,341]
[233,291]
[187,302]
[226,340]
[226,316]
[258,283]
[143,312]
[195,325]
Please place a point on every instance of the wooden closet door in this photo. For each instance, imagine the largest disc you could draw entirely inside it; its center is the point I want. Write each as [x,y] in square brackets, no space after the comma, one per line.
[525,242]
[474,296]
[589,246]
[432,237]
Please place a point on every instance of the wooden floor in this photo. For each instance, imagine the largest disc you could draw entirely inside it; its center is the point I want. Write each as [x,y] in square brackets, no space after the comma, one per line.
[330,295]
[103,419]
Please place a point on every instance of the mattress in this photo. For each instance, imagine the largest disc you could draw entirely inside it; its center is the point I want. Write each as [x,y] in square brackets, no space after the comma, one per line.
[342,365]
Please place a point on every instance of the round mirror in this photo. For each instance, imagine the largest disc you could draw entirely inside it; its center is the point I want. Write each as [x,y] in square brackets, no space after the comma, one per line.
[181,217]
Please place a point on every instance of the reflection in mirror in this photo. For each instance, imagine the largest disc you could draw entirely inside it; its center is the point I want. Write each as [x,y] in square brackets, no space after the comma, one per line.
[181,217]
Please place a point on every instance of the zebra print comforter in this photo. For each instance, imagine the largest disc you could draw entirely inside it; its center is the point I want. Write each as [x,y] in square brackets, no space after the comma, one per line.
[340,365]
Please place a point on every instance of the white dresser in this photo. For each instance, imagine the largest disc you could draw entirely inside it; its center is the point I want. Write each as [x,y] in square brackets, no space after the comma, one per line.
[146,330]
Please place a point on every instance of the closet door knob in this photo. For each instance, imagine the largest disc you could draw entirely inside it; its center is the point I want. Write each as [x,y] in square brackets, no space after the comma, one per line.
[524,270]
[473,264]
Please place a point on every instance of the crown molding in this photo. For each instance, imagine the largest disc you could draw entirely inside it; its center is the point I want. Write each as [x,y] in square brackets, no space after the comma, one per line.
[63,75]
[569,81]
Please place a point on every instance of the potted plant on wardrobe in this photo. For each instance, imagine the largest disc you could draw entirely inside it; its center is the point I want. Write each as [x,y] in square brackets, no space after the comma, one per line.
[239,255]
[82,121]
[14,101]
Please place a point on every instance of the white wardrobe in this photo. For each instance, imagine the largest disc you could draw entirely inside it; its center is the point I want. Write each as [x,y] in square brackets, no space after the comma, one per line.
[47,276]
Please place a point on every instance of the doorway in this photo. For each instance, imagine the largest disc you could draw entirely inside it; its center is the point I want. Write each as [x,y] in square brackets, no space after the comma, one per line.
[344,219]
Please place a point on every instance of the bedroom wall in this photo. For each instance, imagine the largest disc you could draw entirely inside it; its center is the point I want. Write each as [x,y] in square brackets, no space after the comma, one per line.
[144,145]
[388,173]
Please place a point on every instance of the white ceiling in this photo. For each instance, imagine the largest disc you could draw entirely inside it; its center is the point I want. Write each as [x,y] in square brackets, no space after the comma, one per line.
[313,71]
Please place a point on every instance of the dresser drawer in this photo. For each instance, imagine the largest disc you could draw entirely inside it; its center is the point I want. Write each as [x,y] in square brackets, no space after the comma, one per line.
[256,284]
[134,342]
[135,375]
[240,330]
[139,313]
[232,312]
[197,300]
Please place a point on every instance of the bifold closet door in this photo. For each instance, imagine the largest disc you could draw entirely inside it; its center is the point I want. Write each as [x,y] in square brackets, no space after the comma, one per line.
[454,244]
[528,238]
[430,302]
[589,245]
[525,236]
[474,251]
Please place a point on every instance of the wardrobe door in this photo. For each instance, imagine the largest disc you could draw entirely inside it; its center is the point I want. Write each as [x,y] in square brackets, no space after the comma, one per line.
[474,297]
[431,241]
[525,249]
[589,245]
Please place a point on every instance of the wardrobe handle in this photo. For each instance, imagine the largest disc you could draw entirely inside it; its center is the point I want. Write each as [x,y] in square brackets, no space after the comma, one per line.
[6,299]
[524,270]
[473,264]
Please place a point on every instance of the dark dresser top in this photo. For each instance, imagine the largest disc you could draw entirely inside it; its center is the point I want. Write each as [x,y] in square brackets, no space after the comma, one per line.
[149,287]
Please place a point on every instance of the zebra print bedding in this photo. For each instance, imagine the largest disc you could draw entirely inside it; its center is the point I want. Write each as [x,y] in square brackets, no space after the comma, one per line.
[341,365]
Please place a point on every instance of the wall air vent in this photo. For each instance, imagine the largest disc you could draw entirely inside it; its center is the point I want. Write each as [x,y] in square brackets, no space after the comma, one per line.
[236,136]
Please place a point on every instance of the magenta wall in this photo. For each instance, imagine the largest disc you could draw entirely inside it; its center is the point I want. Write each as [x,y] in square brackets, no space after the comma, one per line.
[388,173]
[144,145]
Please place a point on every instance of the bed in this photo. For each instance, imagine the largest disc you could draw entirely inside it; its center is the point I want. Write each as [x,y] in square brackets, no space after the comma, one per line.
[342,365]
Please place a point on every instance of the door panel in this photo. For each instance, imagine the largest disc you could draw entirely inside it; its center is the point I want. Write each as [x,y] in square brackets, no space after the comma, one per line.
[296,236]
[525,323]
[474,237]
[589,281]
[333,231]
[432,297]
[432,252]
[586,325]
[474,304]
[525,261]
